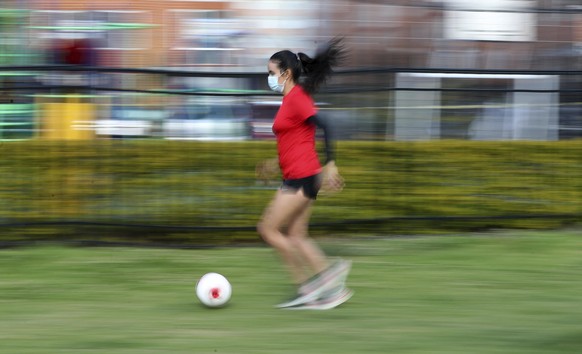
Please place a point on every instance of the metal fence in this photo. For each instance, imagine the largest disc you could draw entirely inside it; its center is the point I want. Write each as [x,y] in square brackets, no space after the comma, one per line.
[62,102]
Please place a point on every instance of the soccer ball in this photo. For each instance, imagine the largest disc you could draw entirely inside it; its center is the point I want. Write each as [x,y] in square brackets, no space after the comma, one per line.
[213,290]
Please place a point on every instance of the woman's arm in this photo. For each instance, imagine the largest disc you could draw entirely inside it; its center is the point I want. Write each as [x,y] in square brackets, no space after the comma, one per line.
[327,136]
[332,180]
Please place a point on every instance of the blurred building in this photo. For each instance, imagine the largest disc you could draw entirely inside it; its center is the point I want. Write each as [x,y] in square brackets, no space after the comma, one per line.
[509,34]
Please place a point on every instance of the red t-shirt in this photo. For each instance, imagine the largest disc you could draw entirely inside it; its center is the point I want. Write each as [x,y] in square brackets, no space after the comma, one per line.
[295,136]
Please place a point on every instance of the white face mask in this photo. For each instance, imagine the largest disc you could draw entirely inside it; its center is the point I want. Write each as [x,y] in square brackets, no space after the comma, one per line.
[274,83]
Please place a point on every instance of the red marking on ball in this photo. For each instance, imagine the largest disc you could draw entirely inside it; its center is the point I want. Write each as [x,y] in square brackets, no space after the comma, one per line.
[215,293]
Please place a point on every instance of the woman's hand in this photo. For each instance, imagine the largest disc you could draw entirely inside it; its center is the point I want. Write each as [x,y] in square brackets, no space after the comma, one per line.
[332,182]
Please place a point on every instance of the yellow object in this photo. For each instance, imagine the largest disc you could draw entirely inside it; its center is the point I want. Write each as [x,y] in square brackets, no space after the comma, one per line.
[68,120]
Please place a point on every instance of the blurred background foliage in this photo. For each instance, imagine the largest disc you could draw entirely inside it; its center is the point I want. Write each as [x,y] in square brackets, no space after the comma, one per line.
[208,192]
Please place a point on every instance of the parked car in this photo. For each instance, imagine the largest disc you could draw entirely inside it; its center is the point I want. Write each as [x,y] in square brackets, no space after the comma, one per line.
[207,120]
[129,122]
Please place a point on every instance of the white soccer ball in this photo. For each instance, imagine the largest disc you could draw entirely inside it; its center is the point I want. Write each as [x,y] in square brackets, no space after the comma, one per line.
[213,290]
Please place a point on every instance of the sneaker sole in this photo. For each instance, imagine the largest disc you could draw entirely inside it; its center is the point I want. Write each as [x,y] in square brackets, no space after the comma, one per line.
[326,304]
[300,300]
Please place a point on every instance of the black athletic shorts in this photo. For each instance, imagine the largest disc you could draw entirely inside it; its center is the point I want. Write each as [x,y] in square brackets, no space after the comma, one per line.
[310,185]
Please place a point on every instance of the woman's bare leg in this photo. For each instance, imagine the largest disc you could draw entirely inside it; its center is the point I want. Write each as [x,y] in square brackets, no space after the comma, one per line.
[284,208]
[298,233]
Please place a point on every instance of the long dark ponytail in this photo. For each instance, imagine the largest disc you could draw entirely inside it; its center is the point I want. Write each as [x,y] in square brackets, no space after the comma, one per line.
[309,72]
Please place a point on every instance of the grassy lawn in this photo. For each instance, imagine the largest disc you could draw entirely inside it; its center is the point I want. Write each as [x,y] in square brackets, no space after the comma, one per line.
[508,292]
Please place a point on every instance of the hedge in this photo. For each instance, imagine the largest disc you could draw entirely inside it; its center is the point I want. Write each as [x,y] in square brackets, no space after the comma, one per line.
[207,192]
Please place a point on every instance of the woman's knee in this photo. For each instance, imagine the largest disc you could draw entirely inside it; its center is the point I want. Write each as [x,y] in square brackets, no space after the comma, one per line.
[297,237]
[266,231]
[298,231]
[261,229]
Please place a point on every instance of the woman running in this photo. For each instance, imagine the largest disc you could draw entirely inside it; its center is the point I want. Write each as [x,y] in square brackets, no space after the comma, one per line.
[320,283]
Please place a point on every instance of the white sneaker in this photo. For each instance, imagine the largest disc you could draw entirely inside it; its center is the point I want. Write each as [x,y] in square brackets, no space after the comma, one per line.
[337,272]
[321,286]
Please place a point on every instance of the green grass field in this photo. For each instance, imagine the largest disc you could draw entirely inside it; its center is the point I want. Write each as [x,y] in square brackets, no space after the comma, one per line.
[506,292]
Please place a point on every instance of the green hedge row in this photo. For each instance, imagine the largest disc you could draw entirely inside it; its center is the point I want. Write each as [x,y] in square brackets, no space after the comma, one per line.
[45,185]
